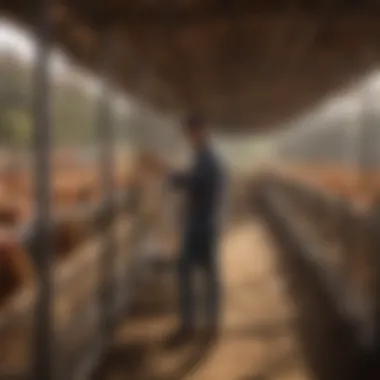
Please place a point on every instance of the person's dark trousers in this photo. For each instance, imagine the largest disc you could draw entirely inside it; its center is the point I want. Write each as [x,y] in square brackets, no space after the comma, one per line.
[207,264]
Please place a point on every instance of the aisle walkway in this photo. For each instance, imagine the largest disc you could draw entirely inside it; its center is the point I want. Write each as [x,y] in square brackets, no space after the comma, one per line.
[258,340]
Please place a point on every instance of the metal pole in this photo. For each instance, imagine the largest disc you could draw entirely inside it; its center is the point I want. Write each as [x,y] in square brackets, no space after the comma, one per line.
[369,153]
[367,147]
[42,343]
[106,164]
[348,227]
[367,182]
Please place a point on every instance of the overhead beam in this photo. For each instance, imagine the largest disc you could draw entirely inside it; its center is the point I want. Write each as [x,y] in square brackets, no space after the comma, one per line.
[105,12]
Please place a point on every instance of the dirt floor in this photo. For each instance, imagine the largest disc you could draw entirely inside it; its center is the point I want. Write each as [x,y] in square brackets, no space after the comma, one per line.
[275,326]
[258,339]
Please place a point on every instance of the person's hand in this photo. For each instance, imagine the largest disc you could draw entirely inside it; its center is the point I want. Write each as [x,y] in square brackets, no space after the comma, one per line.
[152,164]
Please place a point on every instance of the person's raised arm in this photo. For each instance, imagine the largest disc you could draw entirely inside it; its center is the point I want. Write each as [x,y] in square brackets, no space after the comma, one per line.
[179,180]
[183,180]
[194,179]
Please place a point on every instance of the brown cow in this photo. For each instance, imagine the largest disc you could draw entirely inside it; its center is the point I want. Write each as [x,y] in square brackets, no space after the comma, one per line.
[16,270]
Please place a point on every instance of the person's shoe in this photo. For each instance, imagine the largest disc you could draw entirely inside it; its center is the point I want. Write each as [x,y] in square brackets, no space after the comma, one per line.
[210,334]
[179,337]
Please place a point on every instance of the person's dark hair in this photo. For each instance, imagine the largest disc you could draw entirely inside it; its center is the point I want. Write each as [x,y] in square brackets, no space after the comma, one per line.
[194,121]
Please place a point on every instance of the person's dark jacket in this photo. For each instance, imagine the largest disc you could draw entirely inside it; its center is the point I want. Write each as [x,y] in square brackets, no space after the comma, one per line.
[204,188]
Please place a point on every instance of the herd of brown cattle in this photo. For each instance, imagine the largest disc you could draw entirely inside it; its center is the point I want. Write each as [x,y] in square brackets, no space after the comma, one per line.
[357,186]
[71,186]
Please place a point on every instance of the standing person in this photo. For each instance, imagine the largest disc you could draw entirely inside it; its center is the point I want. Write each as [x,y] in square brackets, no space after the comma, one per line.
[203,187]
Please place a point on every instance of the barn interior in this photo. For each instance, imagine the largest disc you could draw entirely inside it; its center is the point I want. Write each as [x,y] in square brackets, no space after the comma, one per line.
[289,89]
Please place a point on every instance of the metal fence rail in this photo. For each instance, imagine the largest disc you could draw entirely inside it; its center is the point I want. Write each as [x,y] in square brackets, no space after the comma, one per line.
[340,242]
[43,251]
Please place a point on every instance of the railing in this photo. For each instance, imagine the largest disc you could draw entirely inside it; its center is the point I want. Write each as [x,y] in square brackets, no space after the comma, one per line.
[340,241]
[76,303]
[59,326]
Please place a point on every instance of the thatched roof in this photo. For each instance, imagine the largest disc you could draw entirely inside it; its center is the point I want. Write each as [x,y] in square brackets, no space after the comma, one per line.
[244,62]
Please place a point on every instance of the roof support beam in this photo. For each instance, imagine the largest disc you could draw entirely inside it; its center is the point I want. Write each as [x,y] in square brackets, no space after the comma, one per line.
[104,13]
